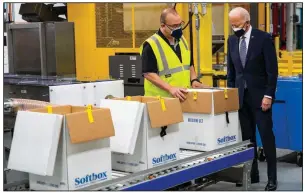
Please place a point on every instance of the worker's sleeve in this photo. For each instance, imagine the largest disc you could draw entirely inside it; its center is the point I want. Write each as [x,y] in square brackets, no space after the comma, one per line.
[149,61]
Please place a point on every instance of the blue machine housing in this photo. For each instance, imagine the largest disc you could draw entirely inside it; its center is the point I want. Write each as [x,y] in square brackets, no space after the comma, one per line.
[287,114]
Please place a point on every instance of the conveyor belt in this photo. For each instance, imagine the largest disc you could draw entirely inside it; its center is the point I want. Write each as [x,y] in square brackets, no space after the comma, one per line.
[183,154]
[192,165]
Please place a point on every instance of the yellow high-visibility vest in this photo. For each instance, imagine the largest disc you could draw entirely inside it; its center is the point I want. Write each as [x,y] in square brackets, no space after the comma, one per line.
[171,69]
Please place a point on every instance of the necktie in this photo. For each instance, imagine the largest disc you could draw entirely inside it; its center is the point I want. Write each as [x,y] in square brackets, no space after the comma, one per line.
[243,51]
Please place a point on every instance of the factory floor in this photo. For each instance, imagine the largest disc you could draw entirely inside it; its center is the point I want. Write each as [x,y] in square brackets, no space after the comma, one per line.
[290,176]
[289,179]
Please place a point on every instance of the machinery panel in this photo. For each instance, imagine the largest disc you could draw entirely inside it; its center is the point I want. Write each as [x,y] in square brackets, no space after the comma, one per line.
[42,49]
[26,54]
[129,69]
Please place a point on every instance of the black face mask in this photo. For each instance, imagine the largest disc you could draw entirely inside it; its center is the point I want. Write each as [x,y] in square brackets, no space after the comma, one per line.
[239,32]
[177,33]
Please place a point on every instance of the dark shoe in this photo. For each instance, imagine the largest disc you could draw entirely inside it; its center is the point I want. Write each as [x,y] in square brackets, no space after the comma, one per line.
[271,186]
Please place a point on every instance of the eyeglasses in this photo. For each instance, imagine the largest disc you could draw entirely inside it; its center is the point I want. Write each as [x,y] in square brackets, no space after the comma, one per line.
[175,26]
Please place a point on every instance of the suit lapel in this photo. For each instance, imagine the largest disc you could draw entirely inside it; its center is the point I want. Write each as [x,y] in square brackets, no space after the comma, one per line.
[236,50]
[251,42]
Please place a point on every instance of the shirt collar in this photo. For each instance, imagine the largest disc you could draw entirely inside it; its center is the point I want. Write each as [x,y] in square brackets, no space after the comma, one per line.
[166,40]
[248,33]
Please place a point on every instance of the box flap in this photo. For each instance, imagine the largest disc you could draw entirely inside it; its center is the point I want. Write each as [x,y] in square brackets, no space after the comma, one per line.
[79,126]
[201,102]
[164,114]
[82,130]
[35,142]
[126,116]
[212,100]
[226,102]
[60,110]
[173,112]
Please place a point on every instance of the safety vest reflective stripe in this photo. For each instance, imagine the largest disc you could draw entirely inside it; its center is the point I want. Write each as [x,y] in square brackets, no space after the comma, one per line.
[166,70]
[163,58]
[174,70]
[184,43]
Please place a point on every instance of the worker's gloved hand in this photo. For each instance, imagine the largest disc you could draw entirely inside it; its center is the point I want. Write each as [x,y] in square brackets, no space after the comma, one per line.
[178,93]
[196,84]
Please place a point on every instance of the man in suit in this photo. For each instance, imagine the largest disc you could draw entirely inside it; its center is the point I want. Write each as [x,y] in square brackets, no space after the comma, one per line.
[253,69]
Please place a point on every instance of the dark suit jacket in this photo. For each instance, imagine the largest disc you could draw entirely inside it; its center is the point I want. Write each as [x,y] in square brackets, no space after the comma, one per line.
[261,68]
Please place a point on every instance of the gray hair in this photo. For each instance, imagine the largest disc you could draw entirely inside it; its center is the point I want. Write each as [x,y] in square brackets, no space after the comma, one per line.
[241,11]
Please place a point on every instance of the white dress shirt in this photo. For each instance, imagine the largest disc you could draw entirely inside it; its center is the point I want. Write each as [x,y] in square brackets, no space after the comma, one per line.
[247,37]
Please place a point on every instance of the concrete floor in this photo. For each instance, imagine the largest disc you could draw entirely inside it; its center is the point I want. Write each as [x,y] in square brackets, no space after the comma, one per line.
[290,176]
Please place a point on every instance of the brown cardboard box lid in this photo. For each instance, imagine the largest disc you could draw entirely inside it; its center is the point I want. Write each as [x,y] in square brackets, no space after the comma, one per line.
[79,126]
[207,99]
[159,117]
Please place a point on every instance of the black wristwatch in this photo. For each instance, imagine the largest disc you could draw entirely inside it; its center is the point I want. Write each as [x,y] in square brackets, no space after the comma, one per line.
[195,80]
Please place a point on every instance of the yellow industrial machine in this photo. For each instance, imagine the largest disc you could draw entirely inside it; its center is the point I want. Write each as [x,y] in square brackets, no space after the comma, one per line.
[108,29]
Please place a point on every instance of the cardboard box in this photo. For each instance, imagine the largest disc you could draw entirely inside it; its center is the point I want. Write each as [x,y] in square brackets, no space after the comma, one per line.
[138,144]
[63,148]
[210,119]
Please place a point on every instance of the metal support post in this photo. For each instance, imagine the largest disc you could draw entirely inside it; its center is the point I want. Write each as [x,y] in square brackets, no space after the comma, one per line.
[247,175]
[289,27]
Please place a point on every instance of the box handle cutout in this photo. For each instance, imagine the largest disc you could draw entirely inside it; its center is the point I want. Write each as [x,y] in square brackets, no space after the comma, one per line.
[49,108]
[89,112]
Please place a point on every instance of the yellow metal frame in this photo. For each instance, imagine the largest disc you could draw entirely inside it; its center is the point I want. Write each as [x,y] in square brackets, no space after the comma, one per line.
[261,16]
[226,26]
[92,63]
[268,17]
[205,45]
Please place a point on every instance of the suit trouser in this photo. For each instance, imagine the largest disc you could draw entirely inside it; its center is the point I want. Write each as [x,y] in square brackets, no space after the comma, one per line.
[249,117]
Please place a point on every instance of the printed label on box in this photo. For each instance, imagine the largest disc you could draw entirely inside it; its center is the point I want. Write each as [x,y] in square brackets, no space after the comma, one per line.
[163,159]
[226,139]
[90,178]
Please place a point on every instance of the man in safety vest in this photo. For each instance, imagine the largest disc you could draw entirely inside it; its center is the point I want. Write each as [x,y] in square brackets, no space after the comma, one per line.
[166,60]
